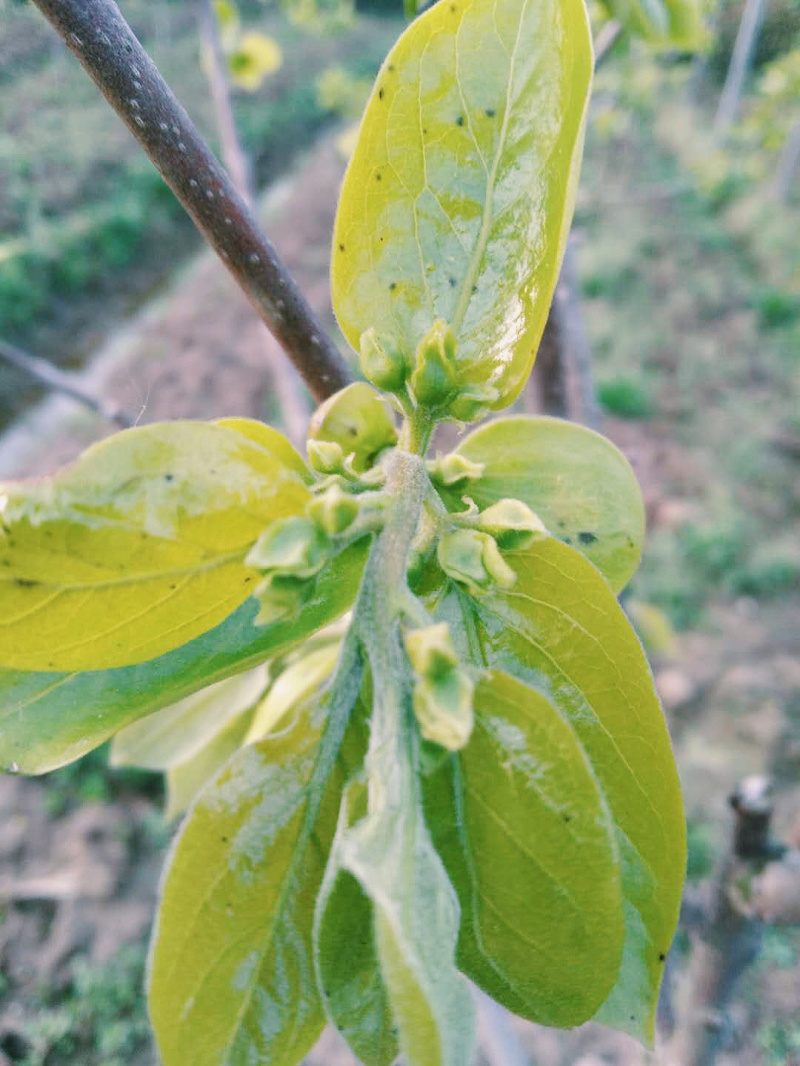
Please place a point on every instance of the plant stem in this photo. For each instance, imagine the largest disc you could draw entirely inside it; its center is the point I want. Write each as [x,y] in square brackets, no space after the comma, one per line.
[417,430]
[96,32]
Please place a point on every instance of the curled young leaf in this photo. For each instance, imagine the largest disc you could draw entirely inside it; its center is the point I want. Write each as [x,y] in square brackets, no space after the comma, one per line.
[529,845]
[579,484]
[459,196]
[136,548]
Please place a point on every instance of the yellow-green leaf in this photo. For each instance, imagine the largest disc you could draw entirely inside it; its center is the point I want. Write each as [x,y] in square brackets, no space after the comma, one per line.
[529,844]
[579,484]
[231,972]
[459,196]
[292,687]
[48,719]
[136,548]
[560,630]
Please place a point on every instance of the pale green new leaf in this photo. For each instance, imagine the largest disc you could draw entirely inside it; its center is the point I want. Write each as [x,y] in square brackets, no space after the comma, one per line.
[136,548]
[348,968]
[179,732]
[48,719]
[295,684]
[529,843]
[560,629]
[579,484]
[185,780]
[415,908]
[231,972]
[665,23]
[459,196]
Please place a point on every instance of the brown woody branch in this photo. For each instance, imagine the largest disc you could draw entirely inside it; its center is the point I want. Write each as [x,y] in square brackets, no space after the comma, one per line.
[96,32]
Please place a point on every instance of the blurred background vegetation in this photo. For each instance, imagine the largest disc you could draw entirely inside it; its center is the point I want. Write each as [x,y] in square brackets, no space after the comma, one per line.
[688,248]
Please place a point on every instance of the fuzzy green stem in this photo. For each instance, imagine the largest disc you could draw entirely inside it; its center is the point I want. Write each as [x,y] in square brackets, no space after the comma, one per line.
[417,429]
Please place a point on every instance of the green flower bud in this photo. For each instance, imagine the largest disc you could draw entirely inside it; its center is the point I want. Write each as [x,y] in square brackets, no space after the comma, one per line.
[473,559]
[357,419]
[444,709]
[430,651]
[385,369]
[325,456]
[472,402]
[281,596]
[512,523]
[333,510]
[434,377]
[294,546]
[454,469]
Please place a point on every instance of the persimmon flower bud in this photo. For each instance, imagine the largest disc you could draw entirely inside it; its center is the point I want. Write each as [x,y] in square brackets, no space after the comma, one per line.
[295,546]
[454,469]
[430,650]
[333,510]
[512,523]
[357,419]
[434,377]
[386,369]
[325,456]
[444,709]
[281,596]
[473,559]
[474,401]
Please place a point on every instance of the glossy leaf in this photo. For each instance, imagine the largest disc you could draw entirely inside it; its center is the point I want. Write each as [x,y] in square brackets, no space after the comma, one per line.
[179,732]
[415,909]
[528,841]
[348,968]
[560,630]
[458,198]
[136,548]
[231,974]
[579,484]
[48,719]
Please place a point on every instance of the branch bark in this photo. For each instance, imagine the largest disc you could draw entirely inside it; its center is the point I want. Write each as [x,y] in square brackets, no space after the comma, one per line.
[59,381]
[96,32]
[288,390]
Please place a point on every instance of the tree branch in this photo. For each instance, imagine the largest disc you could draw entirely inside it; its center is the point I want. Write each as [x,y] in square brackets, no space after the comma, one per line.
[96,32]
[53,378]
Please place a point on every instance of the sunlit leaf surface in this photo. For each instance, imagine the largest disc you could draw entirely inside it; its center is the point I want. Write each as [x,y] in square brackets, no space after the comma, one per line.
[136,548]
[560,630]
[48,719]
[529,844]
[459,195]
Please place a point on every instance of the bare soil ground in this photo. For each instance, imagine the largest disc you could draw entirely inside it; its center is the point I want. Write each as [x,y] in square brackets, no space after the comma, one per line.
[85,883]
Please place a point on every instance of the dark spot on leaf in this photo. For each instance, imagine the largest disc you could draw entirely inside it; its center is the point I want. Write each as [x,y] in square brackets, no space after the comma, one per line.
[224,840]
[661,957]
[490,112]
[169,477]
[561,524]
[26,583]
[381,239]
[568,540]
[633,1017]
[380,94]
[390,68]
[460,120]
[51,666]
[453,7]
[587,538]
[378,177]
[248,579]
[567,818]
[452,282]
[341,247]
[392,286]
[173,586]
[474,289]
[424,132]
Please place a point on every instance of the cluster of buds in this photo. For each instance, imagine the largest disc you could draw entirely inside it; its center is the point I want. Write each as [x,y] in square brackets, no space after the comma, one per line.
[433,376]
[471,556]
[443,690]
[349,431]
